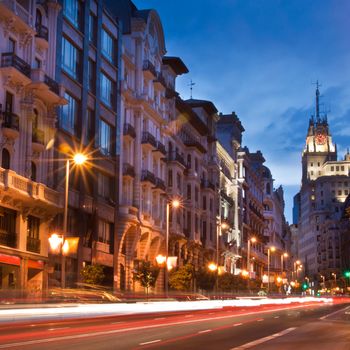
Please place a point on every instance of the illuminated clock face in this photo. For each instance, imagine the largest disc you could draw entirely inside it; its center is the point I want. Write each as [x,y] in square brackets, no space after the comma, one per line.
[320,139]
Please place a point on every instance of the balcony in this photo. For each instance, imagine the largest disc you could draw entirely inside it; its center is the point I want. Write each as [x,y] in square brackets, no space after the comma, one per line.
[28,193]
[147,176]
[128,170]
[10,125]
[160,148]
[170,93]
[160,80]
[42,35]
[22,19]
[148,139]
[38,140]
[148,67]
[177,157]
[46,88]
[160,184]
[207,184]
[8,239]
[33,245]
[14,67]
[189,142]
[129,130]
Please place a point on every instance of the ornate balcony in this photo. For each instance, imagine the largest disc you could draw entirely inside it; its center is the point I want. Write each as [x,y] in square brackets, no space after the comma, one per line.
[46,88]
[128,170]
[149,68]
[14,10]
[160,148]
[147,176]
[129,130]
[33,245]
[226,197]
[160,80]
[160,184]
[190,142]
[177,157]
[148,138]
[207,184]
[14,67]
[10,125]
[8,239]
[42,34]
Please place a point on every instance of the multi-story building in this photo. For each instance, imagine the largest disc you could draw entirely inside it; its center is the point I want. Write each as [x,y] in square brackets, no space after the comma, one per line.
[229,131]
[88,56]
[29,95]
[275,226]
[325,186]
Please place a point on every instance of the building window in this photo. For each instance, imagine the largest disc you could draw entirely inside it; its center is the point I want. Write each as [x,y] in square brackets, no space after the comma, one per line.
[92,27]
[204,203]
[339,192]
[92,75]
[346,192]
[5,159]
[104,231]
[104,186]
[178,181]
[33,227]
[196,194]
[105,138]
[107,45]
[332,168]
[70,58]
[106,90]
[342,168]
[69,114]
[170,178]
[71,9]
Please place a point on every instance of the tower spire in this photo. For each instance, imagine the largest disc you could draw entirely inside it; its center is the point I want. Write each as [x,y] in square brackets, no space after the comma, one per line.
[317,102]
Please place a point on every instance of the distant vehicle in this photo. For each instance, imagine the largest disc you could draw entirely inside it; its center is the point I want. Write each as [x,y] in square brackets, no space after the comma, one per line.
[190,297]
[86,293]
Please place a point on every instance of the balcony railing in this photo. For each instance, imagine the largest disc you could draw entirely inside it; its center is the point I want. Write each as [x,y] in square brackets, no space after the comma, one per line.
[41,31]
[129,130]
[160,184]
[19,10]
[160,79]
[148,138]
[161,148]
[226,197]
[176,157]
[207,184]
[170,92]
[10,59]
[189,142]
[128,169]
[10,120]
[8,239]
[38,136]
[148,66]
[33,245]
[52,84]
[146,175]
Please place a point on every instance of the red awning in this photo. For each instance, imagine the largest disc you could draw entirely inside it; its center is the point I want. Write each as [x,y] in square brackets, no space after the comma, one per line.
[32,264]
[10,259]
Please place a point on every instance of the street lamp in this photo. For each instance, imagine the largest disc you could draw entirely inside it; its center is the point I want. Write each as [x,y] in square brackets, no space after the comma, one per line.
[250,240]
[335,278]
[269,250]
[323,280]
[78,159]
[284,255]
[175,203]
[296,263]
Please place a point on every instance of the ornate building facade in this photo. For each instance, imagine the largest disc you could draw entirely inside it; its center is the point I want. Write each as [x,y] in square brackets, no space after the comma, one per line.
[325,186]
[29,95]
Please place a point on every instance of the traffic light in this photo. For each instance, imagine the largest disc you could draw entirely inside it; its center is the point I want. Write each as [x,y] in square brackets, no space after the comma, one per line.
[347,274]
[304,286]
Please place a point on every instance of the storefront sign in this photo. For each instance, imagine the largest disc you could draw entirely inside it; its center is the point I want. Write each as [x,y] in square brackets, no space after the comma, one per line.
[10,259]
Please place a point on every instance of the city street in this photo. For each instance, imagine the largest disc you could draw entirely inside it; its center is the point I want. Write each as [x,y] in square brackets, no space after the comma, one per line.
[302,326]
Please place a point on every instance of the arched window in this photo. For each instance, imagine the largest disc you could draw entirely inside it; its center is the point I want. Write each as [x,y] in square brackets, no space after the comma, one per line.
[33,172]
[268,188]
[5,159]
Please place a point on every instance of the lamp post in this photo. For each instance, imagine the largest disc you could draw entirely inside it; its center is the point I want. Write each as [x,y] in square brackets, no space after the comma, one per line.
[296,263]
[272,249]
[335,279]
[323,281]
[284,255]
[78,159]
[174,204]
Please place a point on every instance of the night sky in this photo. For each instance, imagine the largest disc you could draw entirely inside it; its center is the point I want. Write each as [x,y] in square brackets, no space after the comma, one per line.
[260,59]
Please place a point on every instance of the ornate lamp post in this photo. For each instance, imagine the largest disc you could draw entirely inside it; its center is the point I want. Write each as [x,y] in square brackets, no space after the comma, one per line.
[269,250]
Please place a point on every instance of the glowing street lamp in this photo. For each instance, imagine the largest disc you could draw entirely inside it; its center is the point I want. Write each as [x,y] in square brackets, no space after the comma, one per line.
[269,251]
[212,267]
[175,203]
[284,255]
[78,159]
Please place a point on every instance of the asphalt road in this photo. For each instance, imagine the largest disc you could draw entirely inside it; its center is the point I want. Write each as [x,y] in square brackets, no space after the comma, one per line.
[314,326]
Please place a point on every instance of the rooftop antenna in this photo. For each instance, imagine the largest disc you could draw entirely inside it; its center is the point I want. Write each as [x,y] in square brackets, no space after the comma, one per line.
[191,84]
[317,102]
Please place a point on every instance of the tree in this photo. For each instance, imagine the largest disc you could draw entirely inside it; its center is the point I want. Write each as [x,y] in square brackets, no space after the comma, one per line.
[205,279]
[146,274]
[92,274]
[181,278]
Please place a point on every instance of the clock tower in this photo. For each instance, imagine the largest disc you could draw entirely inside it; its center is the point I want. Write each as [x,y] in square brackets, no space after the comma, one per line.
[319,147]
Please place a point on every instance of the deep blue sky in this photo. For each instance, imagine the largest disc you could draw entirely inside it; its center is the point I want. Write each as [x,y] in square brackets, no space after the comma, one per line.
[259,58]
